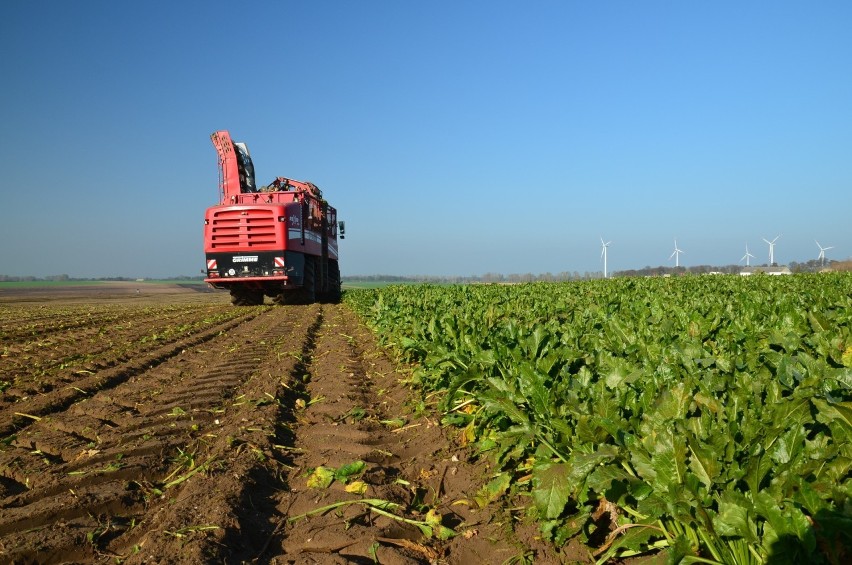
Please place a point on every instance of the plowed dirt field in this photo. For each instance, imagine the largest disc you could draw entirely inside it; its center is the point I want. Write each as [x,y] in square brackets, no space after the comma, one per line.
[162,425]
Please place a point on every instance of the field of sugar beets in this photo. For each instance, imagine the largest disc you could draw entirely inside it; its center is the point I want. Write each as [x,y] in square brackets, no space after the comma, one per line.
[681,420]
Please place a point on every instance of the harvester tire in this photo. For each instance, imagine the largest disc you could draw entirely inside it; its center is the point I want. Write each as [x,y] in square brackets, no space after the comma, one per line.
[309,282]
[332,295]
[305,295]
[244,297]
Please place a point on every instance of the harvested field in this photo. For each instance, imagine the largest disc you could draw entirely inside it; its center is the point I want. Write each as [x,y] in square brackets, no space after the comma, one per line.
[165,426]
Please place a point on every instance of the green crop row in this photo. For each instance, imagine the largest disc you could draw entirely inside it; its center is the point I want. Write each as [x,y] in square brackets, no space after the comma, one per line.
[711,416]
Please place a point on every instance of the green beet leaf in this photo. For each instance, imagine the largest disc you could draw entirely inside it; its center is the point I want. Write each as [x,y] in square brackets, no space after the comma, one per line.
[349,470]
[551,489]
[784,522]
[735,517]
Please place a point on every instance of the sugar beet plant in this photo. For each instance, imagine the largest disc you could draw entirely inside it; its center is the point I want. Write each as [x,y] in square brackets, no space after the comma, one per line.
[707,415]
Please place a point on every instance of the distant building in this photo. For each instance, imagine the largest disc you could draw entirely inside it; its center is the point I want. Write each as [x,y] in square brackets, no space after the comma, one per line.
[782,270]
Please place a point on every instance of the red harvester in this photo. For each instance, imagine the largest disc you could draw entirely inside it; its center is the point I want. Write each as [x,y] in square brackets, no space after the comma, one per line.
[278,240]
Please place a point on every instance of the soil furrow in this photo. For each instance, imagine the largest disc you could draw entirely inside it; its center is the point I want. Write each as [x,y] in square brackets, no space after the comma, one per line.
[176,436]
[200,450]
[342,426]
[25,410]
[252,458]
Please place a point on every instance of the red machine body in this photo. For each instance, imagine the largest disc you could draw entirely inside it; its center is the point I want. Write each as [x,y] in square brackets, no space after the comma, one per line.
[278,240]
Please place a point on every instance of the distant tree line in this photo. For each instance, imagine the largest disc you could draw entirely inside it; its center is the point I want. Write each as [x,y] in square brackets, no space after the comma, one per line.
[815,266]
[812,266]
[467,279]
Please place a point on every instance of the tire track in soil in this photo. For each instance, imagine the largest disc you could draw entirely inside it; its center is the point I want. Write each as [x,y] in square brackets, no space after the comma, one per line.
[203,456]
[352,389]
[44,361]
[29,409]
[99,477]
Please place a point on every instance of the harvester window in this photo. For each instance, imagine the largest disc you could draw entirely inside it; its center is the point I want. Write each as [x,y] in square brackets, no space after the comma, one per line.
[245,168]
[312,213]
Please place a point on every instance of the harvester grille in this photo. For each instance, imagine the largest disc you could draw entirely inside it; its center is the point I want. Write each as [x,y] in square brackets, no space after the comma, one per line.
[242,228]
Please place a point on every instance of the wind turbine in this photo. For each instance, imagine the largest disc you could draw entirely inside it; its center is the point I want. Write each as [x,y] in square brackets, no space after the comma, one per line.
[771,249]
[676,254]
[822,251]
[603,253]
[747,256]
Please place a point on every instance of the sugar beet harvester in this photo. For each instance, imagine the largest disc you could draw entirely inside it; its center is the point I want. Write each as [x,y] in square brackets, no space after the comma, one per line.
[278,240]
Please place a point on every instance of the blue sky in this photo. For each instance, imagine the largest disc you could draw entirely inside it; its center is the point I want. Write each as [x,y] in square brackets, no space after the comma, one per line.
[454,138]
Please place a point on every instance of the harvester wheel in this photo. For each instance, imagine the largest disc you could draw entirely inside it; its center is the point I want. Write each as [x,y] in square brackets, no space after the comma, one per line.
[244,297]
[309,282]
[305,295]
[332,295]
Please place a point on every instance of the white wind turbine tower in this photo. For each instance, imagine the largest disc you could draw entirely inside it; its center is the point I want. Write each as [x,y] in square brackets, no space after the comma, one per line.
[822,251]
[747,256]
[603,253]
[676,254]
[771,249]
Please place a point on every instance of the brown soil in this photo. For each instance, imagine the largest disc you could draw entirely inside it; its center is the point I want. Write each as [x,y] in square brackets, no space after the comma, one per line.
[170,427]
